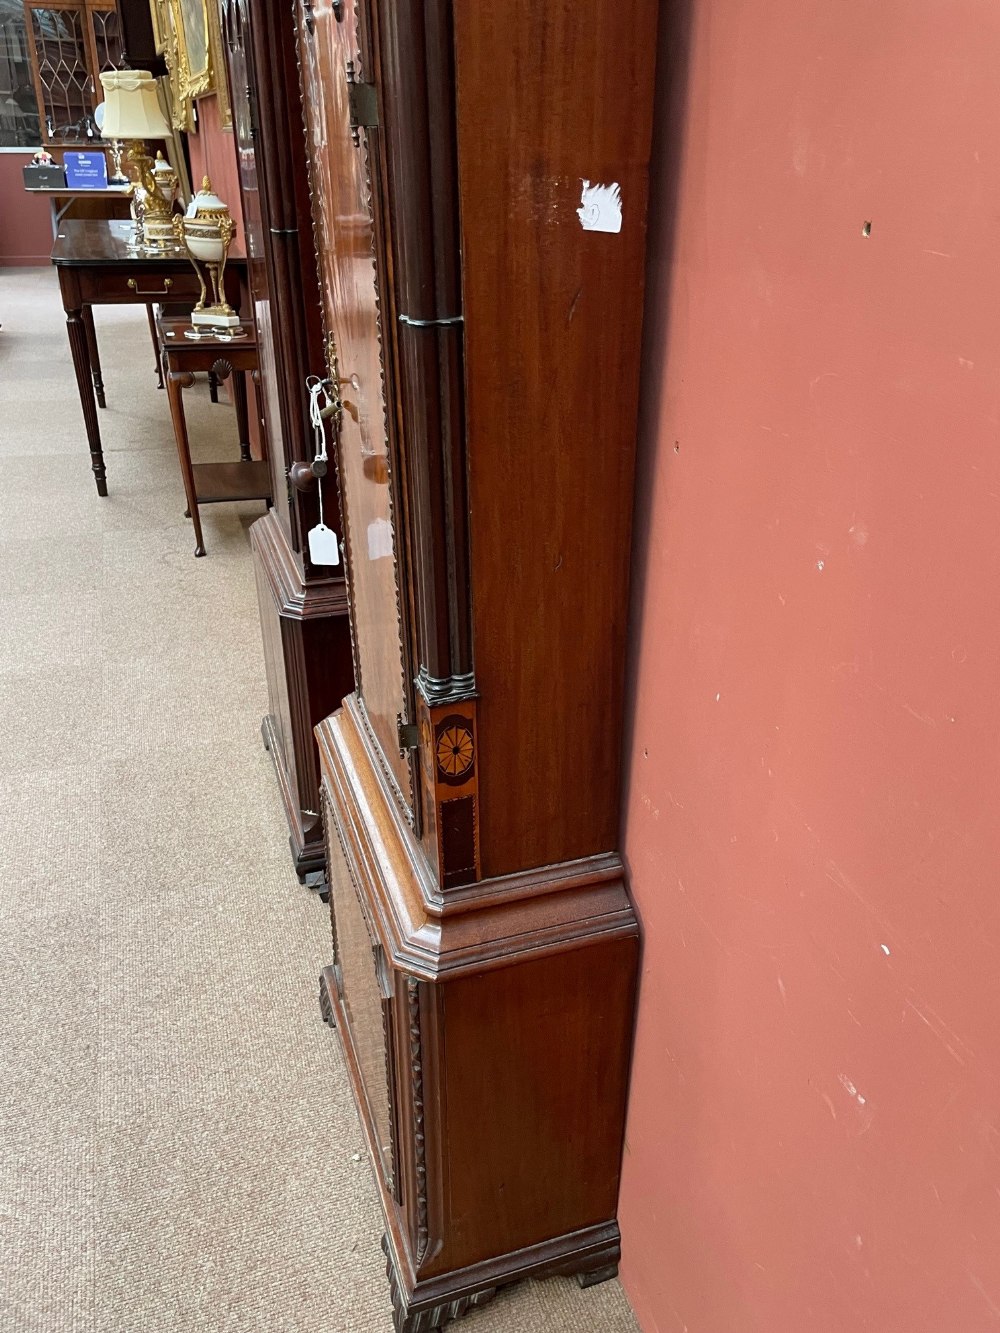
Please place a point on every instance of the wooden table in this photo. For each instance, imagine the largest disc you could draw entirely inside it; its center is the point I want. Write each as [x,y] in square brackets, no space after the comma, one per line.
[111,195]
[95,268]
[210,483]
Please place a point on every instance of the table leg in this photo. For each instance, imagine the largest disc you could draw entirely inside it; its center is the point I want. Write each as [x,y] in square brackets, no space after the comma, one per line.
[94,354]
[77,331]
[177,382]
[242,423]
[213,386]
[156,345]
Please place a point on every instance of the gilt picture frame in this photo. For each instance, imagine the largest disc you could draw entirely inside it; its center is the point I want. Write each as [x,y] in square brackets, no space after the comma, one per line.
[189,37]
[195,76]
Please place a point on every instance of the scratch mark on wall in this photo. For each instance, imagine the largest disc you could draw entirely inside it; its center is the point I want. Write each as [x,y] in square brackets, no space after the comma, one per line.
[952,1043]
[921,717]
[718,938]
[851,1090]
[836,876]
[995,1309]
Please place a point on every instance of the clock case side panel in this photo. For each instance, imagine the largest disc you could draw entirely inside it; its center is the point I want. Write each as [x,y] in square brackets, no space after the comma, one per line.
[553,301]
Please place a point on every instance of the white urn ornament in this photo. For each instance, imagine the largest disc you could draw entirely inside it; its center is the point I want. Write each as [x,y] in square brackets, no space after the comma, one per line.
[206,231]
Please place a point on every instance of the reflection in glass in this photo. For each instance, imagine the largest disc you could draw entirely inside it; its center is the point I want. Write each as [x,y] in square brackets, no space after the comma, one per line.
[19,126]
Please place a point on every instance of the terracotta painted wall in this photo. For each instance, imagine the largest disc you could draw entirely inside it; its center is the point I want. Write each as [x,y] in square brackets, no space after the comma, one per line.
[25,219]
[813,806]
[212,152]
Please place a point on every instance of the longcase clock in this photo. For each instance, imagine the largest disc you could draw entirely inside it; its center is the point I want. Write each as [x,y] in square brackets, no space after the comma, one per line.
[478,178]
[303,607]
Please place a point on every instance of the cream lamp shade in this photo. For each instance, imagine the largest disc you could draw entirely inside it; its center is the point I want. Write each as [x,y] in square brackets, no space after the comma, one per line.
[132,106]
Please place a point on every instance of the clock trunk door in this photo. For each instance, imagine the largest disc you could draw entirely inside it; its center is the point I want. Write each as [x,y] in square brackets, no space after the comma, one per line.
[341,172]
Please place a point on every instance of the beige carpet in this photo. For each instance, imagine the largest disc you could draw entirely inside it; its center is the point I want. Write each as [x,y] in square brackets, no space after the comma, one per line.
[178,1146]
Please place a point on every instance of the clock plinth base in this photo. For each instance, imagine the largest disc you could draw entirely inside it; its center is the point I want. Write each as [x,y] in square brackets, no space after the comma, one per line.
[484,1014]
[307,656]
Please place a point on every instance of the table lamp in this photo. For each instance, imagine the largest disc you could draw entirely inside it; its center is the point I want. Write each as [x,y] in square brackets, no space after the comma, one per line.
[132,112]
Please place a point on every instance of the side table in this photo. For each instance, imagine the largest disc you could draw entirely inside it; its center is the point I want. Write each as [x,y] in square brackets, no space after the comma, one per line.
[222,356]
[96,267]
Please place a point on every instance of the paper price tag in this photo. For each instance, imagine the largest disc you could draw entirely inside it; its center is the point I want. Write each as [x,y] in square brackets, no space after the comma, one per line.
[324,549]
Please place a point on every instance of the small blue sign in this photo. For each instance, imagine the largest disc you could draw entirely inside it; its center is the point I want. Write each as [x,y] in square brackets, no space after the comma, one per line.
[86,171]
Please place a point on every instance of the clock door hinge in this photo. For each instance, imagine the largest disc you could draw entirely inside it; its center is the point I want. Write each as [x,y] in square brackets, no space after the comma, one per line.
[362,102]
[408,735]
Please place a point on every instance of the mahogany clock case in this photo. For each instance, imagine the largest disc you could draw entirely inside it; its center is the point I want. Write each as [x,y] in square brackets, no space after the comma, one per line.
[303,608]
[478,179]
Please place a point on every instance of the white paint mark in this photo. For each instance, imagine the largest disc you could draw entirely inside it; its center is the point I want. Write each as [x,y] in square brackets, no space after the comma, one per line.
[600,207]
[858,534]
[781,991]
[379,539]
[851,1090]
[966,364]
[885,949]
[820,565]
[782,600]
[858,1242]
[718,697]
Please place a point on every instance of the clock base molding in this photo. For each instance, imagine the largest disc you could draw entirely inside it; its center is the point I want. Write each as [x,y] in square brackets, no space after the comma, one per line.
[305,841]
[430,1305]
[307,656]
[487,1041]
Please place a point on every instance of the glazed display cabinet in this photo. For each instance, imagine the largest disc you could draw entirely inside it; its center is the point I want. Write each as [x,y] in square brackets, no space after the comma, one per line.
[70,44]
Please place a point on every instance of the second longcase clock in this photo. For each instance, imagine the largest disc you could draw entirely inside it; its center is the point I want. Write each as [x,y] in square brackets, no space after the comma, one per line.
[303,606]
